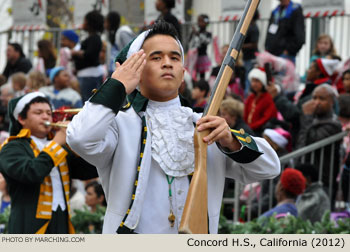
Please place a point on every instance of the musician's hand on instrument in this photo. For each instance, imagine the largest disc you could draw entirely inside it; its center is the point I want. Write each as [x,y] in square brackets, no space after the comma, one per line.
[60,136]
[220,132]
[129,73]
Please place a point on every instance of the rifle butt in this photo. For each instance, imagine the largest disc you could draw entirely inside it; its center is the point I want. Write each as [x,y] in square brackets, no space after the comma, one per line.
[194,219]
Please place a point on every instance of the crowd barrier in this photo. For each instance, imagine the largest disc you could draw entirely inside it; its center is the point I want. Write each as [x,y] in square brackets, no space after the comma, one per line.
[297,156]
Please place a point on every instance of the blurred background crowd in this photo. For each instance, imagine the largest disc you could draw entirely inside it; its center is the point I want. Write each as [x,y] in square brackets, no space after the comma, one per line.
[266,97]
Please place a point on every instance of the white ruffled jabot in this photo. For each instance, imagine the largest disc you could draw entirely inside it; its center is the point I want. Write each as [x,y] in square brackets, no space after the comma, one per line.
[171,127]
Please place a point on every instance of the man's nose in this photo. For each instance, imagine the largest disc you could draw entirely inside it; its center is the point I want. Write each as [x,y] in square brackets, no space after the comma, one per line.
[166,62]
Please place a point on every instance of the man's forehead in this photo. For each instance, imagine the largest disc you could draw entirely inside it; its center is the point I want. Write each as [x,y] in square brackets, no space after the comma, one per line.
[40,105]
[161,42]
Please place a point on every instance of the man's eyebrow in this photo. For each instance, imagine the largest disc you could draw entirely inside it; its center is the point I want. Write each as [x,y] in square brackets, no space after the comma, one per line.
[160,52]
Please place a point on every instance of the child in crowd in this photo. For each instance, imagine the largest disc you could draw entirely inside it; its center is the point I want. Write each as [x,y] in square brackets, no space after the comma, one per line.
[18,83]
[200,40]
[346,81]
[232,111]
[324,47]
[69,42]
[259,106]
[236,83]
[59,93]
[47,56]
[94,196]
[199,94]
[35,81]
[87,61]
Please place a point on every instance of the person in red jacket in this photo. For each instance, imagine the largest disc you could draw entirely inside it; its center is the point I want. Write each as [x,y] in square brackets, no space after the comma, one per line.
[259,106]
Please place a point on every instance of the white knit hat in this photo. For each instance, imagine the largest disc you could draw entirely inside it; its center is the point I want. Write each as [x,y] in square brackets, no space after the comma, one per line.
[259,74]
[23,101]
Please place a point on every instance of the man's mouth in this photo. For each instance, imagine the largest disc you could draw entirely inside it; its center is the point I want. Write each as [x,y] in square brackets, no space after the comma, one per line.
[168,75]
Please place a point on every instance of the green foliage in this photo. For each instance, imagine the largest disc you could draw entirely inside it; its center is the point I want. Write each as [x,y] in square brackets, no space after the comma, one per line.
[287,225]
[86,222]
[4,218]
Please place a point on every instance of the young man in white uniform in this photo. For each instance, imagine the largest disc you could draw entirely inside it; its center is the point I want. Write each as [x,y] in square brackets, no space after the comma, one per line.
[144,150]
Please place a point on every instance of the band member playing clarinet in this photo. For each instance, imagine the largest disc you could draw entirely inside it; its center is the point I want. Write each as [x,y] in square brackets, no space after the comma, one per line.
[138,132]
[37,168]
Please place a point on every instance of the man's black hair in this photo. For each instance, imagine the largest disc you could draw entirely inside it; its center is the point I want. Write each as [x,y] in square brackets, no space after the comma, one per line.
[38,99]
[98,190]
[162,28]
[169,4]
[113,18]
[203,85]
[95,21]
[18,48]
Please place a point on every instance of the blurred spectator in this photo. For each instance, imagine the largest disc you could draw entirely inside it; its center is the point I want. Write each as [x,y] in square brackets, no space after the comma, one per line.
[318,122]
[35,81]
[94,196]
[7,93]
[76,199]
[286,30]
[59,93]
[5,200]
[232,111]
[2,80]
[344,118]
[291,184]
[279,139]
[199,95]
[47,56]
[324,47]
[346,81]
[19,83]
[200,40]
[4,123]
[237,80]
[249,48]
[259,106]
[318,73]
[69,42]
[164,7]
[87,58]
[186,86]
[16,60]
[118,37]
[314,202]
[102,57]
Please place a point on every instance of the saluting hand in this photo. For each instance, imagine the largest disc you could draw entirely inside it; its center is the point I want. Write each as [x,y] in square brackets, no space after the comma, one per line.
[129,73]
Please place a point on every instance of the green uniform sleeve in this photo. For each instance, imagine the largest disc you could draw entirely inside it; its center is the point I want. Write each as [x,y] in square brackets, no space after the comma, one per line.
[17,162]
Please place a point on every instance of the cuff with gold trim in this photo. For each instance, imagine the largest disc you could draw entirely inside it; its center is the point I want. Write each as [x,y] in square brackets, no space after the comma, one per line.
[249,150]
[56,152]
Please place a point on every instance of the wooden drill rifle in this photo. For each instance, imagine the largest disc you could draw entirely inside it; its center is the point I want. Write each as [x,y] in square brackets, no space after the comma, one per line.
[195,215]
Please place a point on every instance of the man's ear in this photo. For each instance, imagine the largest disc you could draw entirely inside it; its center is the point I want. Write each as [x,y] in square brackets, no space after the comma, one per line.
[183,75]
[21,120]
